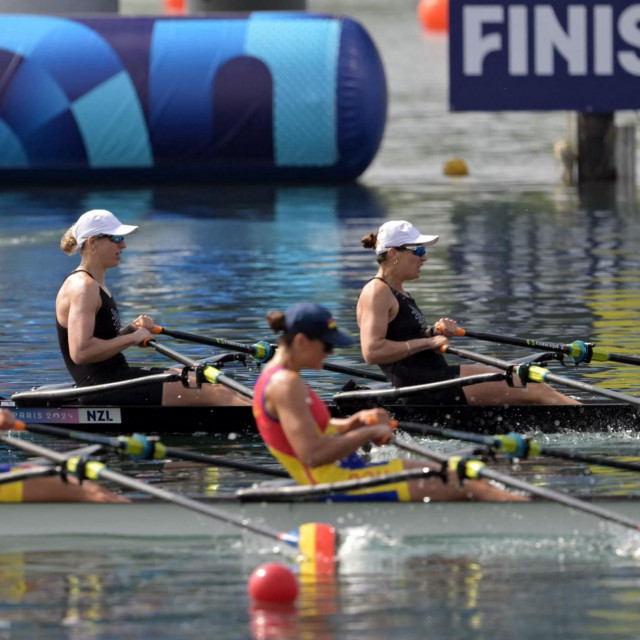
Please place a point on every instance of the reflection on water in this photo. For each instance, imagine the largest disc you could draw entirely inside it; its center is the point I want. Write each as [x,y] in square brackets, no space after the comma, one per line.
[177,590]
[216,259]
[519,254]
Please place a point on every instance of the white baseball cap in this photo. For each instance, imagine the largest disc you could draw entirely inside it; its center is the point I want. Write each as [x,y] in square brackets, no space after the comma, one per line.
[397,233]
[99,222]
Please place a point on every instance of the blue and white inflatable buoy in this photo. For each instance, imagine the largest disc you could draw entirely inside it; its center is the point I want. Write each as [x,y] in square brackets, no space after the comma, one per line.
[265,95]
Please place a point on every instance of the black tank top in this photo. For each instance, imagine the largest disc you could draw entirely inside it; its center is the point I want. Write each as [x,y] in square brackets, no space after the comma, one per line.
[107,327]
[419,368]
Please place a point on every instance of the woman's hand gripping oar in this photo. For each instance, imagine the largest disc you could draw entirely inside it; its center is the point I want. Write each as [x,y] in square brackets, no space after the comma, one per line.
[314,544]
[577,351]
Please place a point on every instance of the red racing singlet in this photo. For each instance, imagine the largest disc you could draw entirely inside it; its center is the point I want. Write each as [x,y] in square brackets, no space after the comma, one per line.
[350,468]
[274,437]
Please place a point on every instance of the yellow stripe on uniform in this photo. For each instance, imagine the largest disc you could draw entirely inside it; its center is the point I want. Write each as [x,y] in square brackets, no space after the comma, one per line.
[13,491]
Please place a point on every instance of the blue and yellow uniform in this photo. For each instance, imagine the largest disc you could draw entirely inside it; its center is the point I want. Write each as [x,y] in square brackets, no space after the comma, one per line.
[350,468]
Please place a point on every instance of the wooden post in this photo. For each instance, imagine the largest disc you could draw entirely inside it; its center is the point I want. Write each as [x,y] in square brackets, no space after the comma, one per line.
[58,6]
[596,148]
[625,153]
[198,6]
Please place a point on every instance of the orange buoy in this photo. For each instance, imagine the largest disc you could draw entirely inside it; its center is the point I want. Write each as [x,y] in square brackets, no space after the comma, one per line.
[434,14]
[174,7]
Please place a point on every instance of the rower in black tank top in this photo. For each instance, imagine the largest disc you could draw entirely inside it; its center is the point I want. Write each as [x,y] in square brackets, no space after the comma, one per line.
[114,369]
[422,367]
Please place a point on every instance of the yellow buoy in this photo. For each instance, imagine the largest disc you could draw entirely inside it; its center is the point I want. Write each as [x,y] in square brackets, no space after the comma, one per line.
[456,167]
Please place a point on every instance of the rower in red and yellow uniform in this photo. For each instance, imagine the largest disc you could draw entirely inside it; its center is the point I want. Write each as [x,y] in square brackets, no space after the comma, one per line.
[314,448]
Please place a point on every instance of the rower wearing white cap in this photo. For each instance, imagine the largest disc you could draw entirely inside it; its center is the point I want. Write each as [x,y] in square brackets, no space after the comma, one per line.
[88,323]
[395,335]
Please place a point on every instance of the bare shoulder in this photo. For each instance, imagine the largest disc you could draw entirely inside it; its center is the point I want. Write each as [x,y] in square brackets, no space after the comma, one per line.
[80,283]
[283,382]
[80,288]
[376,292]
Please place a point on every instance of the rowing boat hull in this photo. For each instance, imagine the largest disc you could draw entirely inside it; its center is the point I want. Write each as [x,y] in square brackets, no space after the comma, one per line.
[151,519]
[591,417]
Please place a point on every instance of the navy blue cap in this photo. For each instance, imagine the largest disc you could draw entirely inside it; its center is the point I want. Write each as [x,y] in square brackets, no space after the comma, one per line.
[316,323]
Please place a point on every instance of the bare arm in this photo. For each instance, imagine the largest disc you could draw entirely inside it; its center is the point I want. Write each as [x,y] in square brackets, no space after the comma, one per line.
[83,303]
[376,308]
[286,398]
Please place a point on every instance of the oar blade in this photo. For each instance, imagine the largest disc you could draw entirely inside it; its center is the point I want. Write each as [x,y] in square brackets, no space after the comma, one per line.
[318,544]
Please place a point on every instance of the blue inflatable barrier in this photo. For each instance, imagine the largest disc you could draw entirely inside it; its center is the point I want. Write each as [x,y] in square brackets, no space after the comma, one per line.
[266,95]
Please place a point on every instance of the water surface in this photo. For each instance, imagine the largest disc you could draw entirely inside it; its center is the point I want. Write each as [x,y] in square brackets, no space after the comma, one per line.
[519,254]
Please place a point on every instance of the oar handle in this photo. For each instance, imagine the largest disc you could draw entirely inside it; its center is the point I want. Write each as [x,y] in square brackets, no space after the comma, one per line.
[9,423]
[439,328]
[385,439]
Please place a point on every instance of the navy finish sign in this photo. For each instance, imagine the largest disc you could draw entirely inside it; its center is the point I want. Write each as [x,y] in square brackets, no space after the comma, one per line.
[581,55]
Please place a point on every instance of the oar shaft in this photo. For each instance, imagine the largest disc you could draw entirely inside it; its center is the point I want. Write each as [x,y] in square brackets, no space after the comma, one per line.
[20,475]
[252,350]
[479,357]
[517,342]
[498,444]
[544,375]
[581,386]
[120,444]
[597,353]
[625,359]
[351,371]
[135,485]
[515,483]
[438,432]
[219,377]
[213,342]
[566,454]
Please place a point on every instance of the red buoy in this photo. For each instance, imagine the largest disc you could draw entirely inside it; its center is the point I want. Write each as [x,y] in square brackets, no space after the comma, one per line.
[273,583]
[434,14]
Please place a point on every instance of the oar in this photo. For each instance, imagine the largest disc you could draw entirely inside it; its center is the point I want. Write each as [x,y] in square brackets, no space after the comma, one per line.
[534,373]
[578,350]
[470,468]
[261,352]
[313,492]
[28,473]
[315,541]
[138,446]
[516,446]
[209,372]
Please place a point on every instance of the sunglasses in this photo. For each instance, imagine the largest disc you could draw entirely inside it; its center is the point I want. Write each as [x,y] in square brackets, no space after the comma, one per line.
[417,251]
[114,239]
[327,346]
